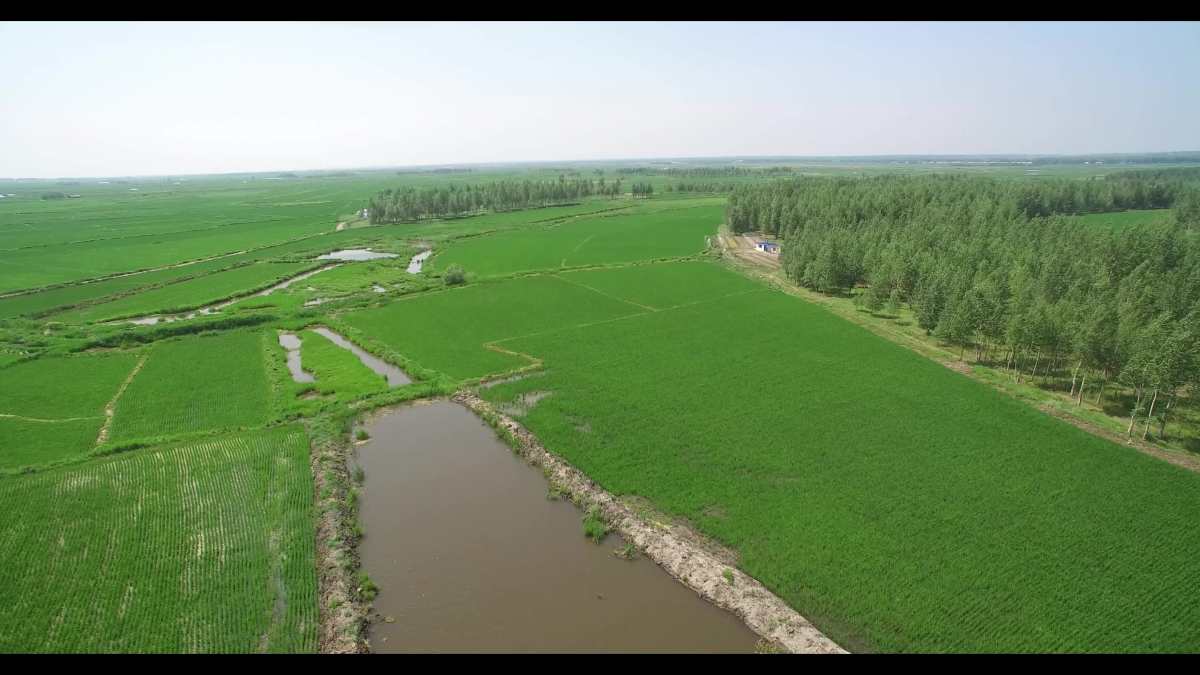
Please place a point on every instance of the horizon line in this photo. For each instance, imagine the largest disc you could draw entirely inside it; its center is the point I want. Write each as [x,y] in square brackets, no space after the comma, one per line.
[692,158]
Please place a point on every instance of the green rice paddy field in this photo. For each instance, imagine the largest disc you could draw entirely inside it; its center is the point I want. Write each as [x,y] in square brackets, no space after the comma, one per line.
[196,383]
[52,408]
[190,294]
[899,505]
[598,240]
[202,547]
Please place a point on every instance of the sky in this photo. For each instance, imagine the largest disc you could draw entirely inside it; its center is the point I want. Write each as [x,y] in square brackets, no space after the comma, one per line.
[111,99]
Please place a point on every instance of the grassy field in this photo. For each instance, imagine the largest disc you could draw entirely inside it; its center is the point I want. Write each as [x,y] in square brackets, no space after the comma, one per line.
[899,505]
[1118,220]
[52,408]
[189,294]
[663,286]
[26,442]
[621,238]
[112,229]
[196,384]
[204,547]
[447,330]
[57,388]
[338,372]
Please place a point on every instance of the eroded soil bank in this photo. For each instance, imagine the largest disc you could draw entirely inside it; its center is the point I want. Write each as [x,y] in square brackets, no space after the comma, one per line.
[470,555]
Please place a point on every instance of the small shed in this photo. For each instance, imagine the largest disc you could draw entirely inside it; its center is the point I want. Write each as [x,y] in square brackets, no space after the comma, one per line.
[767,247]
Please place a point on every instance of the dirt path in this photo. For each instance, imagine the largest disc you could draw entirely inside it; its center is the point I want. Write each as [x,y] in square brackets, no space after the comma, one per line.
[696,562]
[342,612]
[112,404]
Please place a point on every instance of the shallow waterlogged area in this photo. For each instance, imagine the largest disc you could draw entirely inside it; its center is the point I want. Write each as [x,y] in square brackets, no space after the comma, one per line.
[395,376]
[470,555]
[291,343]
[355,255]
[154,319]
[414,265]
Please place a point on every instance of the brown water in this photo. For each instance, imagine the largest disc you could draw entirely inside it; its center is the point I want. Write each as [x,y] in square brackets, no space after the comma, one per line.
[395,376]
[470,556]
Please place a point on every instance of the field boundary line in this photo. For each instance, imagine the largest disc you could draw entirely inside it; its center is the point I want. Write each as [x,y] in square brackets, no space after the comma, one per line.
[111,407]
[625,317]
[534,362]
[608,295]
[684,554]
[49,421]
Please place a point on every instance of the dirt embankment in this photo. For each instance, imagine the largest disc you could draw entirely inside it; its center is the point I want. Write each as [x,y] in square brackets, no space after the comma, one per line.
[684,554]
[342,611]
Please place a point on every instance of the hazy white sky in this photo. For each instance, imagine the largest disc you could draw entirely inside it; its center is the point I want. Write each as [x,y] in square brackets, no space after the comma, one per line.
[91,99]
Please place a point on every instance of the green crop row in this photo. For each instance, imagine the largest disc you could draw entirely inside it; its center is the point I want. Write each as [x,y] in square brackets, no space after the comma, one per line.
[203,547]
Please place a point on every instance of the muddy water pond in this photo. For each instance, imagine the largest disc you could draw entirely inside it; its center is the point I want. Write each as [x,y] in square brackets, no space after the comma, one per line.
[470,555]
[395,376]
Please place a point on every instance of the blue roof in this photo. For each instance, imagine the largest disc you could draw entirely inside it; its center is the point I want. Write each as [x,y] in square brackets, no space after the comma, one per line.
[768,243]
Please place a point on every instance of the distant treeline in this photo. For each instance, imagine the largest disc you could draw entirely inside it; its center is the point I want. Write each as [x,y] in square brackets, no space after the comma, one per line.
[995,265]
[407,204]
[405,172]
[694,186]
[709,171]
[1140,158]
[641,189]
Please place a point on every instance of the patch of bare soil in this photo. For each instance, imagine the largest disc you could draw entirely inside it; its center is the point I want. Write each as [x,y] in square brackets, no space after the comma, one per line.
[958,366]
[742,247]
[687,556]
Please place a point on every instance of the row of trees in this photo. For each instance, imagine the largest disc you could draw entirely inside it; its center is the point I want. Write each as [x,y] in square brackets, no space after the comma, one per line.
[641,189]
[983,266]
[773,208]
[407,204]
[700,186]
